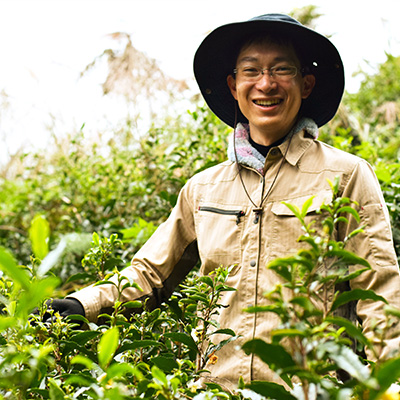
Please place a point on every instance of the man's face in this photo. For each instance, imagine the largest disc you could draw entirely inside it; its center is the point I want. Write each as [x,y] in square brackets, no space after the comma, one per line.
[271,104]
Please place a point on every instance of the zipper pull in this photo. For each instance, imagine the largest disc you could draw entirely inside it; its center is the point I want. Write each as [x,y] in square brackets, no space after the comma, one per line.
[239,215]
[257,212]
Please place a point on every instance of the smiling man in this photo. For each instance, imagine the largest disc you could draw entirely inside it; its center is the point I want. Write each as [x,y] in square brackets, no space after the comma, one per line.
[274,82]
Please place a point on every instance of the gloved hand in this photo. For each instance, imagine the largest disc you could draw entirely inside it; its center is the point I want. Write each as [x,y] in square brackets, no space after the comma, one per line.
[65,307]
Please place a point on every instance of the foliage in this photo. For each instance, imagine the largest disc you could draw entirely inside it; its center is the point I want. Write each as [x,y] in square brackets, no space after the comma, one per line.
[148,355]
[313,346]
[378,97]
[108,187]
[160,354]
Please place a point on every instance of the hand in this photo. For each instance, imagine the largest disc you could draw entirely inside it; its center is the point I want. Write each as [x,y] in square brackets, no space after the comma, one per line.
[65,307]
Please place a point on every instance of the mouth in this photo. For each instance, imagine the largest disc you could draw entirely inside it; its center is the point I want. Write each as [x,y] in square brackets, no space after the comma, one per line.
[267,103]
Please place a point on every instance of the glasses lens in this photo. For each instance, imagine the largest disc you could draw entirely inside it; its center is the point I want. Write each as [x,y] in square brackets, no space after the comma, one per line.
[284,70]
[253,73]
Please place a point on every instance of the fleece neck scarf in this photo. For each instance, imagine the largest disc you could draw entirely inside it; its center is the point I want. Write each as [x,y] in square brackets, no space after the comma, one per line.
[250,156]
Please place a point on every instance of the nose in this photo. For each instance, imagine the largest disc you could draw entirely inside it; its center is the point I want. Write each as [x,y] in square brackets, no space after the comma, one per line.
[266,82]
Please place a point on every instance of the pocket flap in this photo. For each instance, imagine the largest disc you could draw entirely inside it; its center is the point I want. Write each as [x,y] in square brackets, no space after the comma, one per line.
[320,198]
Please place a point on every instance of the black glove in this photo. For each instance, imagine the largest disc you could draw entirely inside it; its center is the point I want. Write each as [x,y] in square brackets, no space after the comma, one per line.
[65,307]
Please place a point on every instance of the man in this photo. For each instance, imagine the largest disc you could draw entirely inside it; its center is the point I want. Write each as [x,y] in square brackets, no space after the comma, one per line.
[275,82]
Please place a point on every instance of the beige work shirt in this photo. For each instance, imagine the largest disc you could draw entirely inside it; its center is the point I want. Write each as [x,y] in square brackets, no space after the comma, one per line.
[214,219]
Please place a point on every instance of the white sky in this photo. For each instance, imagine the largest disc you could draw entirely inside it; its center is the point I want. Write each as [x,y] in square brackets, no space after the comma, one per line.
[45,44]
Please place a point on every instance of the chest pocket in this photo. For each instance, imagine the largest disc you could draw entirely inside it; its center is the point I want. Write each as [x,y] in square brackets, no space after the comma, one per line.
[219,233]
[286,228]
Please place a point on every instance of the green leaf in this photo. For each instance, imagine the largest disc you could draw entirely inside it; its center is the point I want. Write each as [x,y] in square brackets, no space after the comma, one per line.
[183,338]
[39,234]
[283,266]
[38,291]
[350,210]
[224,332]
[304,302]
[207,280]
[347,257]
[354,295]
[159,375]
[294,209]
[84,337]
[167,364]
[119,370]
[311,241]
[78,380]
[7,322]
[354,233]
[12,270]
[79,359]
[200,297]
[270,390]
[77,317]
[306,206]
[214,348]
[133,304]
[112,262]
[353,275]
[96,239]
[273,355]
[107,346]
[351,329]
[56,393]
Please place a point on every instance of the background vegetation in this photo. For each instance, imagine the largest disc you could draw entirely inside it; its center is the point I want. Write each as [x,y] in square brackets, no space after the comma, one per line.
[122,188]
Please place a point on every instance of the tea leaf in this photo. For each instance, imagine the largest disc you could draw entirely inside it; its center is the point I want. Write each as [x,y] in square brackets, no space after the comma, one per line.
[183,338]
[270,390]
[356,294]
[274,355]
[39,234]
[12,270]
[107,346]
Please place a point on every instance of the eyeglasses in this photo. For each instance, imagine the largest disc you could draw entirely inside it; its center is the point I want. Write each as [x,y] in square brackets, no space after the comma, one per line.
[278,73]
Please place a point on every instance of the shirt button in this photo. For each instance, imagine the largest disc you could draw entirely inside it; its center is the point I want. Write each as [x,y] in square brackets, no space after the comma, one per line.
[274,152]
[253,263]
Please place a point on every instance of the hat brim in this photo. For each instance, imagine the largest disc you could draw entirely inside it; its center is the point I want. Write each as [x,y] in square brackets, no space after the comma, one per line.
[214,61]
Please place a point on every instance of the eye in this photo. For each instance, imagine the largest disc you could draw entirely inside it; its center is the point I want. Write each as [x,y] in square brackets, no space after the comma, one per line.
[249,70]
[283,70]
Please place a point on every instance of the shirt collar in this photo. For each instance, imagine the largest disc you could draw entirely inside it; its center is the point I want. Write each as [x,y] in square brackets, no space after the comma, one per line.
[249,156]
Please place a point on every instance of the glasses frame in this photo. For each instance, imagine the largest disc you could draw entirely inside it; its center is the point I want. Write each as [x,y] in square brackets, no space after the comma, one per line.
[271,72]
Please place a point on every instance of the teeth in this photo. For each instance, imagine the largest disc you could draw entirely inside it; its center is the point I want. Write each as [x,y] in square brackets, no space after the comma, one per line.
[267,102]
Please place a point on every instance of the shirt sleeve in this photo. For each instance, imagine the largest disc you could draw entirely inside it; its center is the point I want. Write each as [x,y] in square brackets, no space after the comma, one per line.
[375,244]
[158,267]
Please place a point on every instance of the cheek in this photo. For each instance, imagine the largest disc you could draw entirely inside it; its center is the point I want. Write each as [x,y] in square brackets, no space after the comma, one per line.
[243,90]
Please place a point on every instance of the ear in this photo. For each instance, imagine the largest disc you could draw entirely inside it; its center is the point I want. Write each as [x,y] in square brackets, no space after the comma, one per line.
[308,85]
[231,81]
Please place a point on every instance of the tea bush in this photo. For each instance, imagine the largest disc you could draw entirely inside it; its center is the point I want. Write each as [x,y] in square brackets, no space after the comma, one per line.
[160,354]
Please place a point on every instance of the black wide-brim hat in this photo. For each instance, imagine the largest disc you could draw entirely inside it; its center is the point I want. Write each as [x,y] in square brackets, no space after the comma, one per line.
[216,57]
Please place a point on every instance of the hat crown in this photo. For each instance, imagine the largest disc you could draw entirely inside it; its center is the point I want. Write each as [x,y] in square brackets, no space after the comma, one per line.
[275,17]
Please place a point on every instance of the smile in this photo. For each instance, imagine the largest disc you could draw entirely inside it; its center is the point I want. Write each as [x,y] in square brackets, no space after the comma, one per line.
[268,103]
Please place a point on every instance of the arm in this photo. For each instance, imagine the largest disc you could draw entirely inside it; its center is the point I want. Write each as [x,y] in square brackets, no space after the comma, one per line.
[375,244]
[158,267]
